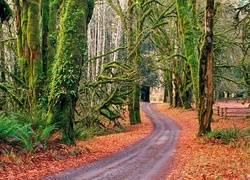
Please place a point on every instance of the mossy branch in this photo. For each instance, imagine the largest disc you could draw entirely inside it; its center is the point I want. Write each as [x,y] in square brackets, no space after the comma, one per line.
[229,79]
[8,39]
[16,78]
[13,96]
[106,54]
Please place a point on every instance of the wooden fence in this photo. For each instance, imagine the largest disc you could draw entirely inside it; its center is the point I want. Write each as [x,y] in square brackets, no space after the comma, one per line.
[232,112]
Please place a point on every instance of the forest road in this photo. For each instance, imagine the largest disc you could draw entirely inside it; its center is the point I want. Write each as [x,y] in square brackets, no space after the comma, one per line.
[147,159]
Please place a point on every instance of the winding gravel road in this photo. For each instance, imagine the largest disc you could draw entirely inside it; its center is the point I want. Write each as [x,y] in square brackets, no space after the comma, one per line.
[146,160]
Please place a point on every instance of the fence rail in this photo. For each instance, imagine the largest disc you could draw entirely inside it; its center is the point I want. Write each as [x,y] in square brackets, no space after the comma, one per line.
[232,112]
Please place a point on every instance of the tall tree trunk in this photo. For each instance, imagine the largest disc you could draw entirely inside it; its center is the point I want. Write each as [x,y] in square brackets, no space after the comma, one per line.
[130,53]
[35,56]
[194,12]
[28,21]
[2,66]
[71,54]
[189,44]
[137,62]
[23,50]
[45,31]
[206,73]
[54,7]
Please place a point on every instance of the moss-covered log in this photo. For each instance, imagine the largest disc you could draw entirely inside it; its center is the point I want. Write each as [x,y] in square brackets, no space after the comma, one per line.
[71,53]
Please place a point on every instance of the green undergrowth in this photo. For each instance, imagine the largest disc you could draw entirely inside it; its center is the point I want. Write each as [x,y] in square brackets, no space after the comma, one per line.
[230,136]
[86,134]
[24,132]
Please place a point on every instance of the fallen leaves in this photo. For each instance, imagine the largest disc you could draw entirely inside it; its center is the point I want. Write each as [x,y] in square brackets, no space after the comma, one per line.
[61,157]
[195,157]
[199,159]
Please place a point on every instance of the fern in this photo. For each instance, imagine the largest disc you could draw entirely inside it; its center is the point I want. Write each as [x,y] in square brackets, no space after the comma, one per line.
[226,135]
[44,133]
[25,136]
[8,128]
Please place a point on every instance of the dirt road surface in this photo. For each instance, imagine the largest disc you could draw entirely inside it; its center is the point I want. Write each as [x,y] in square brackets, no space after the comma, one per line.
[146,160]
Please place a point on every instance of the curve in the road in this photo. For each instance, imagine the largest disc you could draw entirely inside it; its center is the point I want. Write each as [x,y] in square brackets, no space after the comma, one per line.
[146,160]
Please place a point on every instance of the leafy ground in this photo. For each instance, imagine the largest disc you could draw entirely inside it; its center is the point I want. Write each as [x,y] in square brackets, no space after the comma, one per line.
[196,157]
[61,157]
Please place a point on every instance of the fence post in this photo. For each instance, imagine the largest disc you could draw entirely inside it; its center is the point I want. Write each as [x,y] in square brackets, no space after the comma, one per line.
[225,112]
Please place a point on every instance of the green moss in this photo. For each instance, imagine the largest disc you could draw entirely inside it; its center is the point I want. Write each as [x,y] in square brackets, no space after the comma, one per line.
[33,26]
[45,21]
[23,63]
[71,52]
[135,117]
[53,35]
[38,79]
[189,44]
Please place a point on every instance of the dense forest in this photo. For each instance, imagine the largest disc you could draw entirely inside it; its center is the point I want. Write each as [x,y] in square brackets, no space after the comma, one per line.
[74,66]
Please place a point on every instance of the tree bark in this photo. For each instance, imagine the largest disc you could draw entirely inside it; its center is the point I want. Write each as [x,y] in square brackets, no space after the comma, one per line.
[71,54]
[189,45]
[206,73]
[2,66]
[35,56]
[54,8]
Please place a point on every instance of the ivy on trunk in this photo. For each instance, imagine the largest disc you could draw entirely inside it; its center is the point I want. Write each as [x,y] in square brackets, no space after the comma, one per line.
[71,53]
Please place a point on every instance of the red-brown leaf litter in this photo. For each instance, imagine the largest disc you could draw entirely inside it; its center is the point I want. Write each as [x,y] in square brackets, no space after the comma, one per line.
[195,158]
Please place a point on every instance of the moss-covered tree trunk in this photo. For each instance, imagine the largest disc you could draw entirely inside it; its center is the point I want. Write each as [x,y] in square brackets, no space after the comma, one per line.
[71,53]
[189,44]
[35,63]
[132,21]
[2,65]
[206,73]
[133,106]
[45,33]
[28,22]
[137,62]
[5,13]
[22,45]
[54,8]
